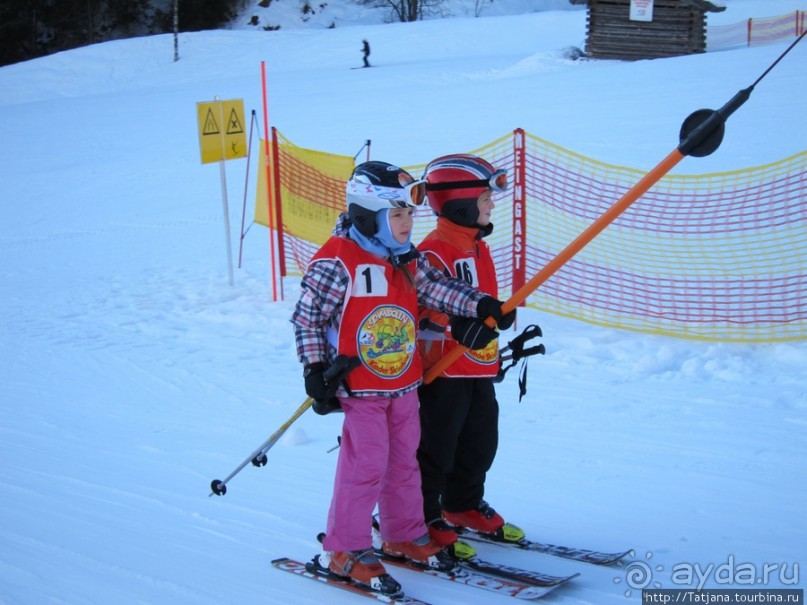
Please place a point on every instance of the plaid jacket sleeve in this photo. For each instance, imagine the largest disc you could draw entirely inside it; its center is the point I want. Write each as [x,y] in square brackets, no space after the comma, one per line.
[443,293]
[322,295]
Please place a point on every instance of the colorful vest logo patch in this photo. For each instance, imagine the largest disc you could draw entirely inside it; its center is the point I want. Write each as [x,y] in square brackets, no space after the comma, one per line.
[386,341]
[486,356]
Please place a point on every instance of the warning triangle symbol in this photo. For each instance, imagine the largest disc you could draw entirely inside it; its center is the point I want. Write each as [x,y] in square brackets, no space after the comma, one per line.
[210,124]
[234,125]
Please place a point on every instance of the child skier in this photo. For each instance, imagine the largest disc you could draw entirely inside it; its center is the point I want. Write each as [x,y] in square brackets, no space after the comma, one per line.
[360,298]
[459,412]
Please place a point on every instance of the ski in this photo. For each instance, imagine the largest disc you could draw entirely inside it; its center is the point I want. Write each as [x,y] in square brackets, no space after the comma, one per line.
[474,563]
[314,572]
[527,576]
[576,554]
[460,575]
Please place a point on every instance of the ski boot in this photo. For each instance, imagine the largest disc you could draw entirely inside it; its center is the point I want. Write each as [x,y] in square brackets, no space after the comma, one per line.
[422,551]
[361,567]
[445,536]
[484,520]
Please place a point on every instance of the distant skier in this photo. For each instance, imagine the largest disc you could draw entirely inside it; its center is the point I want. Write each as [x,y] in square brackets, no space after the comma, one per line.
[366,50]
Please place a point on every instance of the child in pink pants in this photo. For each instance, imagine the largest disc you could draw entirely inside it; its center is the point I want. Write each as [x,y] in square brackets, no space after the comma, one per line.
[359,298]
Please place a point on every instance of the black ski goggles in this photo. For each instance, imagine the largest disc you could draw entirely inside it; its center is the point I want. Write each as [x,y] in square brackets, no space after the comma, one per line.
[497,181]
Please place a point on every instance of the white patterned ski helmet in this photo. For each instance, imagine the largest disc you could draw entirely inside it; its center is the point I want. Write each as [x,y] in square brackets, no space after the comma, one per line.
[375,186]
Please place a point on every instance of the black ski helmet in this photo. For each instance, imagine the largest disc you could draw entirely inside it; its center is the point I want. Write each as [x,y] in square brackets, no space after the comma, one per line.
[375,186]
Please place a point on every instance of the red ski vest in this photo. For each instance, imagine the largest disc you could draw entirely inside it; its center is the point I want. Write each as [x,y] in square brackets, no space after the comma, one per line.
[377,324]
[473,264]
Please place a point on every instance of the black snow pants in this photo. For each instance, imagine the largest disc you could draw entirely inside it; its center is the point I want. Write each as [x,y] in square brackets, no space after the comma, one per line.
[459,419]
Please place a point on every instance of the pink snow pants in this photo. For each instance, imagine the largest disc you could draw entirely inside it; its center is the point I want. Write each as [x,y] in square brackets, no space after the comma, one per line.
[377,465]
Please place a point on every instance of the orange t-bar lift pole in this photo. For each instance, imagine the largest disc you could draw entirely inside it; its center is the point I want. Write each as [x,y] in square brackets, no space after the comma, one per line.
[701,134]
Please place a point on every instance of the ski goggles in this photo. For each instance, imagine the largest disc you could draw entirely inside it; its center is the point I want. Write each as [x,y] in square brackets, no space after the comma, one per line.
[378,197]
[497,181]
[414,191]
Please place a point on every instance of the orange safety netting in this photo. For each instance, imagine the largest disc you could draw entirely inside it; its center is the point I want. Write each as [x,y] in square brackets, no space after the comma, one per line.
[718,256]
[756,32]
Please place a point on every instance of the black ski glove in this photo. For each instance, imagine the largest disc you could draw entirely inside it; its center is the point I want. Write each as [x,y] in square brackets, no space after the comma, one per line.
[472,332]
[315,385]
[490,307]
[321,384]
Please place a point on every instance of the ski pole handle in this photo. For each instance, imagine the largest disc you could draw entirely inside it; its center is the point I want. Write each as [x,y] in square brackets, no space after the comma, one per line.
[341,367]
[338,370]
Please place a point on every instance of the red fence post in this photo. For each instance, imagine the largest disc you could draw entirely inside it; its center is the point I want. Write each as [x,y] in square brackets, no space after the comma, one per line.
[281,250]
[519,209]
[268,169]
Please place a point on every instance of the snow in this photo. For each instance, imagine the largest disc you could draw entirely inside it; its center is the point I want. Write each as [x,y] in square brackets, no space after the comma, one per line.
[133,374]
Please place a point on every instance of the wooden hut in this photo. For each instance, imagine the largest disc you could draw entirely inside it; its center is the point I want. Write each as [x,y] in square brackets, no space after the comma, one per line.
[646,29]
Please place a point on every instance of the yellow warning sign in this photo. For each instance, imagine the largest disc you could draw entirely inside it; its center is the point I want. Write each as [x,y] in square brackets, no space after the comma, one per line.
[221,130]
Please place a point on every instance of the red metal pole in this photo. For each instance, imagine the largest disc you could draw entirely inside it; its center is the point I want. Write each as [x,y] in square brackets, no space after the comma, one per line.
[268,181]
[279,209]
[519,209]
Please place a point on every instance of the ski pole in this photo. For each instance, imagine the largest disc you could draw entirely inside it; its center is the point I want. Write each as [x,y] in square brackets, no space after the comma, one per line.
[515,351]
[335,374]
[516,346]
[701,134]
